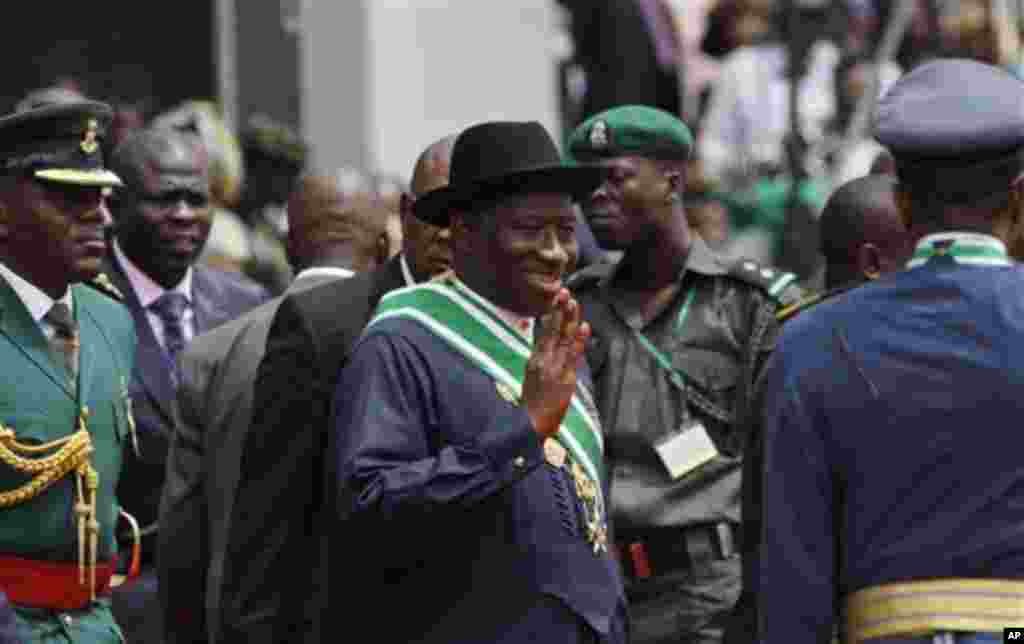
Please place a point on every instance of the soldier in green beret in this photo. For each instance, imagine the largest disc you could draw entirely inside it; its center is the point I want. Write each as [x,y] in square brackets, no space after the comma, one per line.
[678,336]
[67,353]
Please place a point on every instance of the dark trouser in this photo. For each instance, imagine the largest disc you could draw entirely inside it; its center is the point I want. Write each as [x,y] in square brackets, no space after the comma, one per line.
[136,606]
[690,604]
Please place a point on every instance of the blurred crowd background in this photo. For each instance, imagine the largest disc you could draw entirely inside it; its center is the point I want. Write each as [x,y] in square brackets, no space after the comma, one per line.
[279,87]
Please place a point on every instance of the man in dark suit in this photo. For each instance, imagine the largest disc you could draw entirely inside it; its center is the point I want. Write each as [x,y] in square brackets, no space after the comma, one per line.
[327,241]
[161,222]
[275,526]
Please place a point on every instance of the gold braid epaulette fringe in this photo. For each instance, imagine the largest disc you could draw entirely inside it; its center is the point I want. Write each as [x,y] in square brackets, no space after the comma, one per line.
[72,455]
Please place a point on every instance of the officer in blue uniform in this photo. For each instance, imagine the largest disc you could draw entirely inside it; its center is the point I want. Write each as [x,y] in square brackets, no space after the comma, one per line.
[893,492]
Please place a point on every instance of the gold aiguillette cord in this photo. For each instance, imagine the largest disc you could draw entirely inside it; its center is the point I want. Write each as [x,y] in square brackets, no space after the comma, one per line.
[87,482]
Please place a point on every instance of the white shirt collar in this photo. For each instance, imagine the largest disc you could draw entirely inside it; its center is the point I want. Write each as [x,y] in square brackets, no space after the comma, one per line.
[145,288]
[35,300]
[521,323]
[963,247]
[325,271]
[406,272]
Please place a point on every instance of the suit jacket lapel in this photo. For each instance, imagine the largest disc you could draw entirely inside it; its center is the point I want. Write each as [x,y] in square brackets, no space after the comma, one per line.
[206,301]
[17,324]
[151,366]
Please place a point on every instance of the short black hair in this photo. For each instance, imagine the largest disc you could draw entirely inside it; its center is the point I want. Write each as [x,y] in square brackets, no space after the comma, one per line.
[844,221]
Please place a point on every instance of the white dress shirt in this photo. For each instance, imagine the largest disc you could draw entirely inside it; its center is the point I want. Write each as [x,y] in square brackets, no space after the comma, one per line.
[325,271]
[149,291]
[36,301]
[406,273]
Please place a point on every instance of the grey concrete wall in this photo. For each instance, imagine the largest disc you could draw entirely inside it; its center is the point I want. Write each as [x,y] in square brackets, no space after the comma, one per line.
[334,81]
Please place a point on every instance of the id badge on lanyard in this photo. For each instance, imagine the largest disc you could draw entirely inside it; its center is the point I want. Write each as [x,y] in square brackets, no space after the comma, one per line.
[690,447]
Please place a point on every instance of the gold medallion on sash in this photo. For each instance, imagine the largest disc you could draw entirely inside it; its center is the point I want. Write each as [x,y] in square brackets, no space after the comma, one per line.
[586,489]
[554,452]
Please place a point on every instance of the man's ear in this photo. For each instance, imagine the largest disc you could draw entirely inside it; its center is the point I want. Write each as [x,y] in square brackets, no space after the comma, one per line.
[383,249]
[1015,220]
[904,205]
[676,179]
[405,201]
[869,261]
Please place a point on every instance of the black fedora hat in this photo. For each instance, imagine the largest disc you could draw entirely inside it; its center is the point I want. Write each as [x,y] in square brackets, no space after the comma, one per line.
[503,158]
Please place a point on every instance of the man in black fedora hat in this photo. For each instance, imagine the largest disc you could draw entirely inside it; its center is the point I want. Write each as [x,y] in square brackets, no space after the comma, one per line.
[470,465]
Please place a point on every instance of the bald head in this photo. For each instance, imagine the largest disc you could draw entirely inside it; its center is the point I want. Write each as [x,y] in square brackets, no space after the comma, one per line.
[431,171]
[862,235]
[327,227]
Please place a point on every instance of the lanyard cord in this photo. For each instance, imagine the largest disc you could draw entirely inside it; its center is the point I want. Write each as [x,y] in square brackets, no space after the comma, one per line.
[677,376]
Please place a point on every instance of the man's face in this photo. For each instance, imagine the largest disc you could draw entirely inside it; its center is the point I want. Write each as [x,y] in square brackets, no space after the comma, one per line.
[624,210]
[527,247]
[427,248]
[167,222]
[54,232]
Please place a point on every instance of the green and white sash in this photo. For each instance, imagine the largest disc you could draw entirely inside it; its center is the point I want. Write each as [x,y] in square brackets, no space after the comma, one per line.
[470,325]
[965,248]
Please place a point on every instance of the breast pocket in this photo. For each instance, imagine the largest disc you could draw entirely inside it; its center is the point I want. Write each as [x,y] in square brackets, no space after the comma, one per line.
[715,378]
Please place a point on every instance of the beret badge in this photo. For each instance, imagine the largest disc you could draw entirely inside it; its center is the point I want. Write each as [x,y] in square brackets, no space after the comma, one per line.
[599,134]
[89,142]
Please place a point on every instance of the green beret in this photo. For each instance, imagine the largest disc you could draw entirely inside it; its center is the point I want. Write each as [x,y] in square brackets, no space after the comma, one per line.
[631,130]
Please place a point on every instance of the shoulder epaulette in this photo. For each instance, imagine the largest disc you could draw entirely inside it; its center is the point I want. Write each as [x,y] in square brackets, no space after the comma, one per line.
[103,284]
[789,312]
[780,285]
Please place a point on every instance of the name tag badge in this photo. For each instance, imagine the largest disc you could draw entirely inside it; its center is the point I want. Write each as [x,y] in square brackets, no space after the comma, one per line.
[686,450]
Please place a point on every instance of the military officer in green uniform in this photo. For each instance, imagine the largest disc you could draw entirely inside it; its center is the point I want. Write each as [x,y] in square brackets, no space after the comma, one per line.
[678,336]
[67,351]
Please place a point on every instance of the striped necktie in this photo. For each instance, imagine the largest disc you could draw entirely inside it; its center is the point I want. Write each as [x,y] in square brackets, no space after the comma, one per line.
[64,342]
[170,307]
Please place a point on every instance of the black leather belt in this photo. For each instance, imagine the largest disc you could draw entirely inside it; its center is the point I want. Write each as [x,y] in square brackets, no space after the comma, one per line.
[667,550]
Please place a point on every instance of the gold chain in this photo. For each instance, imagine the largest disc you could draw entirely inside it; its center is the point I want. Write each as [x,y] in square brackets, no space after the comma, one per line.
[72,455]
[73,452]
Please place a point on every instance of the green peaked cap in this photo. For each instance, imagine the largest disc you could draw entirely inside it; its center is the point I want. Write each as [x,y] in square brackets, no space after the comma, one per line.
[630,130]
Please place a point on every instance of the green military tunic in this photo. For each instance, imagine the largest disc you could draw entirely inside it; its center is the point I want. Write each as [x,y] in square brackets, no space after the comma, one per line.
[40,403]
